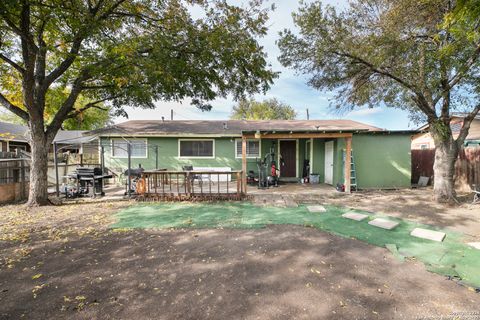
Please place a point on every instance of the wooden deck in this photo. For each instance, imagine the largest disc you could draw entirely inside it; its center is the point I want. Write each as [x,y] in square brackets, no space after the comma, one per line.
[191,186]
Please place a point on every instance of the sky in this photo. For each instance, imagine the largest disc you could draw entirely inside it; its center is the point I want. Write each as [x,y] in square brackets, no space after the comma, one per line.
[289,88]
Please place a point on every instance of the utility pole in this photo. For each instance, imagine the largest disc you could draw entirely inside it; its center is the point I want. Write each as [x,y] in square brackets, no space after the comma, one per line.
[308,115]
[171,114]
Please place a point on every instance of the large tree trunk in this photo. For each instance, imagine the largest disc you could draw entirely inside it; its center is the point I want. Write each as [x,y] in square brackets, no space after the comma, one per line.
[446,153]
[38,194]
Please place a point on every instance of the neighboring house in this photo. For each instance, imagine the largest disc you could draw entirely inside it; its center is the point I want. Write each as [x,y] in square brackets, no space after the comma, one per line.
[382,158]
[14,136]
[73,143]
[424,140]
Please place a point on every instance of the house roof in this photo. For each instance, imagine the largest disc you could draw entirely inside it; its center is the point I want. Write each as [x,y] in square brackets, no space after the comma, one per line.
[18,132]
[13,132]
[228,127]
[458,115]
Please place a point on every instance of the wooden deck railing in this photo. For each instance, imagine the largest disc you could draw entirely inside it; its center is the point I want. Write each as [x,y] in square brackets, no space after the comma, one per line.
[191,185]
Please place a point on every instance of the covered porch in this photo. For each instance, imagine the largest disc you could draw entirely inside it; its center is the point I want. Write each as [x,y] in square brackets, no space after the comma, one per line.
[299,154]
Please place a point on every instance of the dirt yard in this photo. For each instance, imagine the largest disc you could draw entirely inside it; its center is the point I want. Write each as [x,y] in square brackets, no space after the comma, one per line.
[416,205]
[64,262]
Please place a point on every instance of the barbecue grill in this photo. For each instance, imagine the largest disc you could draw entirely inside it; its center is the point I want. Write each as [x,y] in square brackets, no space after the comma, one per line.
[89,182]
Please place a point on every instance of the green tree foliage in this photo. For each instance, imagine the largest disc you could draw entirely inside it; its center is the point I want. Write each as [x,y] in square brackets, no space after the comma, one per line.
[271,109]
[420,56]
[97,116]
[90,119]
[124,52]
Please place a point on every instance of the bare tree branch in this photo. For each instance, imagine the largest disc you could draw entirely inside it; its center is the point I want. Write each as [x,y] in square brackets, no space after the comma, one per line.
[90,105]
[77,42]
[461,73]
[467,121]
[67,105]
[12,63]
[66,63]
[463,69]
[421,101]
[13,108]
[92,87]
[16,29]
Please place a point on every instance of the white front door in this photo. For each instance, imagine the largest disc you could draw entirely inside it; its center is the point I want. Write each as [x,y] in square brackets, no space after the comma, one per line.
[329,162]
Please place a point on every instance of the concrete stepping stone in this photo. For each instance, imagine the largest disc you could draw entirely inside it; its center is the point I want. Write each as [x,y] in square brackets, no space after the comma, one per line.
[428,234]
[475,245]
[316,208]
[383,223]
[355,216]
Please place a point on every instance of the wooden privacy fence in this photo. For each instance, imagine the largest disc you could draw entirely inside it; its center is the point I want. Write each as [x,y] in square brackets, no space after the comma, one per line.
[190,185]
[467,167]
[422,163]
[14,177]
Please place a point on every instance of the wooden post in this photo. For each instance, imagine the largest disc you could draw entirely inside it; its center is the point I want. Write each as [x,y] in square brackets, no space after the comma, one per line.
[55,161]
[244,165]
[239,176]
[129,163]
[348,164]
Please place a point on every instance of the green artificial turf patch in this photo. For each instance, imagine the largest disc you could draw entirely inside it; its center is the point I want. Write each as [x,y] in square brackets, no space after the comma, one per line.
[452,257]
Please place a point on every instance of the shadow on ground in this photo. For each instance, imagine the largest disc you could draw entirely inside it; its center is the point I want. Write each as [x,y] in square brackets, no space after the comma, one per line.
[280,272]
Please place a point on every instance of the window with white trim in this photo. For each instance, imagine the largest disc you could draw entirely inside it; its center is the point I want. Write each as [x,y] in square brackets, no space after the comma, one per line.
[253,148]
[196,148]
[138,148]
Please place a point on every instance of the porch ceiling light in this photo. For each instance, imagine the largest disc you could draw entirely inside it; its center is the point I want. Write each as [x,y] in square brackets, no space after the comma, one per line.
[258,135]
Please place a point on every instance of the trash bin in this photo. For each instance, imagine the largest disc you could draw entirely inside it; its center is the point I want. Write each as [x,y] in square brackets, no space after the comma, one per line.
[314,178]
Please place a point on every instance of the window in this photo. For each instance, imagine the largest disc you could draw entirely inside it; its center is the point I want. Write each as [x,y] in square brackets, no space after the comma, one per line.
[253,148]
[14,147]
[138,148]
[196,148]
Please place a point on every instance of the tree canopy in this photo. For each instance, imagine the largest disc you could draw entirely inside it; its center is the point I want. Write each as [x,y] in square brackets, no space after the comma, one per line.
[420,56]
[130,52]
[120,53]
[404,54]
[271,109]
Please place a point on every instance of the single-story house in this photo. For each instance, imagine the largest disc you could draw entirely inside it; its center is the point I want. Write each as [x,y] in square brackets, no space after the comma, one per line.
[424,140]
[381,158]
[14,136]
[75,143]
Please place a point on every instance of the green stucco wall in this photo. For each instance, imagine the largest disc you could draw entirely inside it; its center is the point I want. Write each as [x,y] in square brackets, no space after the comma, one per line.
[168,156]
[382,161]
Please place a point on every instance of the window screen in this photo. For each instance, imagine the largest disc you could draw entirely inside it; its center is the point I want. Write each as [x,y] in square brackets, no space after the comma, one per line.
[138,148]
[253,148]
[196,148]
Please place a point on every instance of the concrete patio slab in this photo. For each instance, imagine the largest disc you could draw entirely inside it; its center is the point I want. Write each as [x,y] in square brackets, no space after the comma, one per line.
[383,223]
[317,208]
[355,216]
[475,245]
[428,234]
